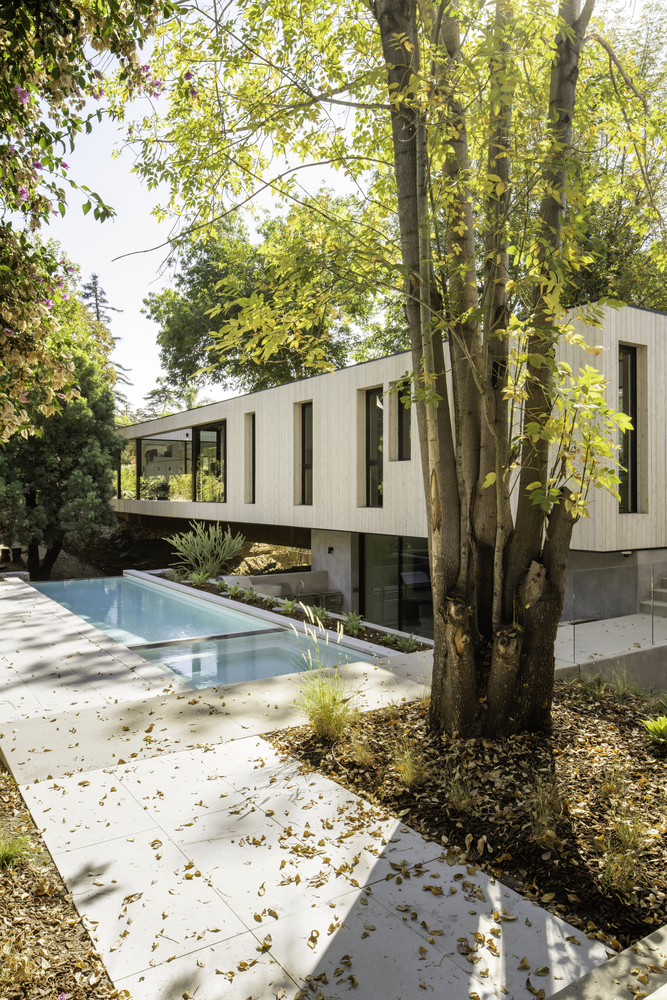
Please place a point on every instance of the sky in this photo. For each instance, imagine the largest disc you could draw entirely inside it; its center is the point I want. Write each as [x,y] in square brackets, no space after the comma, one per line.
[93,246]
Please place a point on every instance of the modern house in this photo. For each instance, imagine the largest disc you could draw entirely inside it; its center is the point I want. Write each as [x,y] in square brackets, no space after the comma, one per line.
[332,463]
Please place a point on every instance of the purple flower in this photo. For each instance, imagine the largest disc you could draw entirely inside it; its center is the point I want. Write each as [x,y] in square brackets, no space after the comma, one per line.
[71,270]
[60,283]
[12,147]
[188,75]
[64,165]
[48,303]
[64,295]
[23,95]
[38,165]
[10,333]
[193,92]
[98,94]
[24,194]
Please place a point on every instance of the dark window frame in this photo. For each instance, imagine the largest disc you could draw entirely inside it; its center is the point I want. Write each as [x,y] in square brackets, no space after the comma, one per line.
[252,458]
[374,497]
[404,425]
[627,393]
[220,427]
[306,492]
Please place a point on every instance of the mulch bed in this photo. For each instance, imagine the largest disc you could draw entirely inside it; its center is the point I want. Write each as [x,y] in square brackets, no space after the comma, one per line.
[45,950]
[364,634]
[575,820]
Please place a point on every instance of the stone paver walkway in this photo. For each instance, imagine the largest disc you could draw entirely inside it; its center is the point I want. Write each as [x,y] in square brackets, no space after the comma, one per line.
[207,867]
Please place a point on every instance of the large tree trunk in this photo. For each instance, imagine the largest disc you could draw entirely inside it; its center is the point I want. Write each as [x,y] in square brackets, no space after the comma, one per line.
[42,571]
[498,588]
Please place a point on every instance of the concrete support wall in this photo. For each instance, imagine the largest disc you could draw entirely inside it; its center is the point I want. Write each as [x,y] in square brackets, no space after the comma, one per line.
[609,584]
[342,563]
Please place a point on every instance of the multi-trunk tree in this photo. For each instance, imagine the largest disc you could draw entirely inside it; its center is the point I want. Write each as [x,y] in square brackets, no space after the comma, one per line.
[487,137]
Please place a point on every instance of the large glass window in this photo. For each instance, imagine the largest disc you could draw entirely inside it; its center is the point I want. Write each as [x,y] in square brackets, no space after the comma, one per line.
[166,469]
[307,453]
[211,462]
[396,585]
[127,472]
[374,447]
[627,403]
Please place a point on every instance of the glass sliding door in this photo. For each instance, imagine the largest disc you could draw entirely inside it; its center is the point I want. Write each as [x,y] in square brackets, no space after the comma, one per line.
[396,583]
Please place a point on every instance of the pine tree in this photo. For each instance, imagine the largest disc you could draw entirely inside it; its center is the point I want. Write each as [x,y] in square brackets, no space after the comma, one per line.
[95,298]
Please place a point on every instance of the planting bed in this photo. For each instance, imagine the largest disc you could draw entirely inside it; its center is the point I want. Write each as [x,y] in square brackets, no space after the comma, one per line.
[365,634]
[575,820]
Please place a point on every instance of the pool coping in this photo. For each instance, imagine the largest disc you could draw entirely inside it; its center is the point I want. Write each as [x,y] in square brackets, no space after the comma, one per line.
[319,631]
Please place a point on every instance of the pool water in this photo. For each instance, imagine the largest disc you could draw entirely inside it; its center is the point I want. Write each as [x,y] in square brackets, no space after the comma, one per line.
[201,642]
[135,612]
[229,661]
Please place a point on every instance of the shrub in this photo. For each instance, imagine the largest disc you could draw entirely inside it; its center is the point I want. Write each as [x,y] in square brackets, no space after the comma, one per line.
[319,613]
[353,622]
[206,550]
[289,607]
[12,848]
[410,766]
[201,579]
[270,601]
[326,701]
[656,729]
[407,645]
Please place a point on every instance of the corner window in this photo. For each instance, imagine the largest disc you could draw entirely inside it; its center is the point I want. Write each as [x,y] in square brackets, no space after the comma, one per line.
[307,454]
[165,466]
[374,447]
[627,403]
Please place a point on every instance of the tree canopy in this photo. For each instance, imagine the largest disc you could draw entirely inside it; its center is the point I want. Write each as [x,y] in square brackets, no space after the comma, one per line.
[47,71]
[490,145]
[222,277]
[63,473]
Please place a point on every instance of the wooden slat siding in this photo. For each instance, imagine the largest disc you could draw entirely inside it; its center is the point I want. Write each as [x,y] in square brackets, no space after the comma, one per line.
[606,530]
[336,438]
[338,433]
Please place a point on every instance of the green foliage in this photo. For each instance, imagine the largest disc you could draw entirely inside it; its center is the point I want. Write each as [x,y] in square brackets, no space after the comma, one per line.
[49,67]
[13,848]
[288,606]
[656,729]
[199,578]
[270,601]
[206,550]
[218,275]
[65,471]
[353,622]
[319,614]
[407,644]
[325,700]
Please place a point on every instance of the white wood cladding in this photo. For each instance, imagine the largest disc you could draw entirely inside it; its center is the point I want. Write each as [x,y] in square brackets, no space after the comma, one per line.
[339,443]
[339,447]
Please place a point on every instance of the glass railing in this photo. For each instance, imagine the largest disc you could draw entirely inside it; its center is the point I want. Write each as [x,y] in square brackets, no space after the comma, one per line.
[630,599]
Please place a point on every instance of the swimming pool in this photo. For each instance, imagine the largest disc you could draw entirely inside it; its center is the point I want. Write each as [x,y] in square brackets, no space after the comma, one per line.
[204,643]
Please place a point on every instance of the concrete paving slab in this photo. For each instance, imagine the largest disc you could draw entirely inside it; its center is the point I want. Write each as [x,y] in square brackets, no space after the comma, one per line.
[361,947]
[499,930]
[228,970]
[640,969]
[76,812]
[138,905]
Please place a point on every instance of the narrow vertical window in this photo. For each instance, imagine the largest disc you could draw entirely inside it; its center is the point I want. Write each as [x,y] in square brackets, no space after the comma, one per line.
[374,442]
[210,460]
[404,413]
[307,453]
[250,458]
[627,403]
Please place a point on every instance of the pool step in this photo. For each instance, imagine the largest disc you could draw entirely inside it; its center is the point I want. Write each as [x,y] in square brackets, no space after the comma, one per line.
[207,638]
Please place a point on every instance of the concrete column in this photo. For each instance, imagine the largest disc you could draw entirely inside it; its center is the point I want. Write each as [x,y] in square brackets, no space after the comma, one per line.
[337,552]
